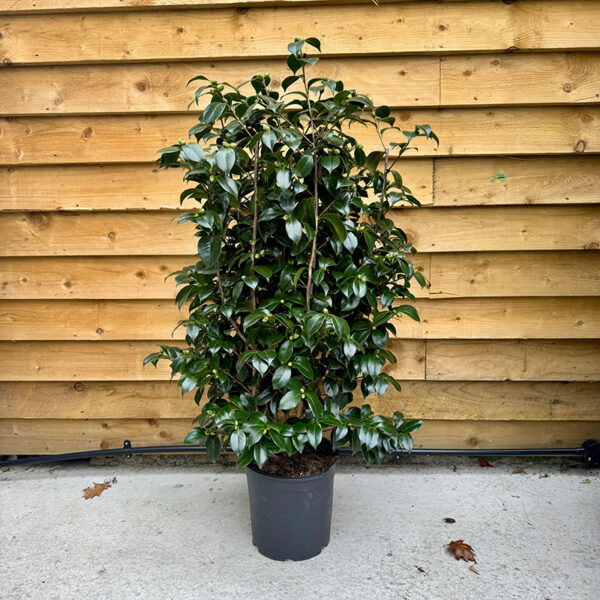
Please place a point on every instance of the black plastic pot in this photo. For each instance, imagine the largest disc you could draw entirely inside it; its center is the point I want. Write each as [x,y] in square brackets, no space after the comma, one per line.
[291,518]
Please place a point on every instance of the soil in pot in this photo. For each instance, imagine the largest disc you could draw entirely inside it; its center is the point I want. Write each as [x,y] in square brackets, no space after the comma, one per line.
[311,462]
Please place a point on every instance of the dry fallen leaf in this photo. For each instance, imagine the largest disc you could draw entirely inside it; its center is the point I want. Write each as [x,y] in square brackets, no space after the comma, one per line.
[462,550]
[96,490]
[484,463]
[472,568]
[449,520]
[519,472]
[5,469]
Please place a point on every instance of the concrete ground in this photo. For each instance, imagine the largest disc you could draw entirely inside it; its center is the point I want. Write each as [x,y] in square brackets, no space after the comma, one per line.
[178,531]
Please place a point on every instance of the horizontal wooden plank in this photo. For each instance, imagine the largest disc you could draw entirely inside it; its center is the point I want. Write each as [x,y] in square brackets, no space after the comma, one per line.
[461,318]
[470,274]
[264,32]
[474,401]
[119,278]
[520,79]
[528,360]
[447,360]
[458,182]
[462,132]
[452,275]
[505,180]
[59,6]
[434,230]
[483,80]
[132,187]
[50,436]
[504,318]
[501,228]
[162,88]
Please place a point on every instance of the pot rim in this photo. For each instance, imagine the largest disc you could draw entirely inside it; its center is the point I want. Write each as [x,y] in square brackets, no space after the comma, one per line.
[291,479]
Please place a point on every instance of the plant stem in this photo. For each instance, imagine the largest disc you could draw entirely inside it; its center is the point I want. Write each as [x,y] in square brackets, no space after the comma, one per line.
[254,222]
[222,294]
[313,251]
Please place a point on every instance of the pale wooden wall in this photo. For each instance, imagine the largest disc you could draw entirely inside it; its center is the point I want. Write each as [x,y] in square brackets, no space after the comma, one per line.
[508,352]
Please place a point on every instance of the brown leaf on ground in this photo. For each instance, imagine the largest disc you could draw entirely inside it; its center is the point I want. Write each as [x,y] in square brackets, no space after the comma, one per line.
[484,463]
[96,490]
[462,550]
[5,469]
[449,520]
[472,568]
[519,472]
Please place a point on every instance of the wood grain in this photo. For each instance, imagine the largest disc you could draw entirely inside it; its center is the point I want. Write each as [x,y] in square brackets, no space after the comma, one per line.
[133,187]
[527,360]
[470,229]
[487,80]
[470,401]
[50,436]
[264,32]
[162,88]
[484,274]
[461,318]
[462,131]
[532,180]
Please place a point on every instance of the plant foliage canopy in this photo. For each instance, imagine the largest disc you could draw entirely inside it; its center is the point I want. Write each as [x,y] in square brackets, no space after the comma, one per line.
[301,270]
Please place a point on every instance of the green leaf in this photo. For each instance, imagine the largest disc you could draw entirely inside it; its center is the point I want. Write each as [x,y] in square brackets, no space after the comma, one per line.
[290,400]
[314,324]
[281,377]
[225,159]
[213,448]
[285,351]
[294,229]
[228,184]
[284,179]
[303,365]
[245,458]
[194,436]
[269,138]
[212,112]
[314,404]
[238,441]
[314,42]
[315,434]
[192,152]
[330,162]
[409,311]
[304,166]
[209,248]
[260,454]
[252,282]
[336,225]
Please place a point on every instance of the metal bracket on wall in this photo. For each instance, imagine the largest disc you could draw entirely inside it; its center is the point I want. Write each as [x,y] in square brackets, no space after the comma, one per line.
[589,451]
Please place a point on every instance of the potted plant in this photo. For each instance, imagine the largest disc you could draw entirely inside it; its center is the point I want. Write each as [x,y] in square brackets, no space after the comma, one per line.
[293,298]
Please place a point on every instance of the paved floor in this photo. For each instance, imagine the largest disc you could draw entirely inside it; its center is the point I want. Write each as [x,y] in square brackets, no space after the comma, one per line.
[178,532]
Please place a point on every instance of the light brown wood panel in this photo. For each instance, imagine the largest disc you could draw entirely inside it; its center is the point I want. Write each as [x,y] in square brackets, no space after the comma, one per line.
[470,274]
[432,230]
[485,274]
[264,32]
[50,436]
[501,228]
[527,360]
[504,318]
[79,234]
[122,361]
[520,79]
[133,186]
[90,277]
[89,320]
[162,88]
[485,318]
[60,6]
[119,278]
[516,180]
[473,401]
[462,131]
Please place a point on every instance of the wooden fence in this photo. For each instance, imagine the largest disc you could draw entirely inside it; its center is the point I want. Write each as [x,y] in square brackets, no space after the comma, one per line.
[508,352]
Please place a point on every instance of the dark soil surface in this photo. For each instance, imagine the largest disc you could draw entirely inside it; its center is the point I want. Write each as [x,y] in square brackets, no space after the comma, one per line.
[310,462]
